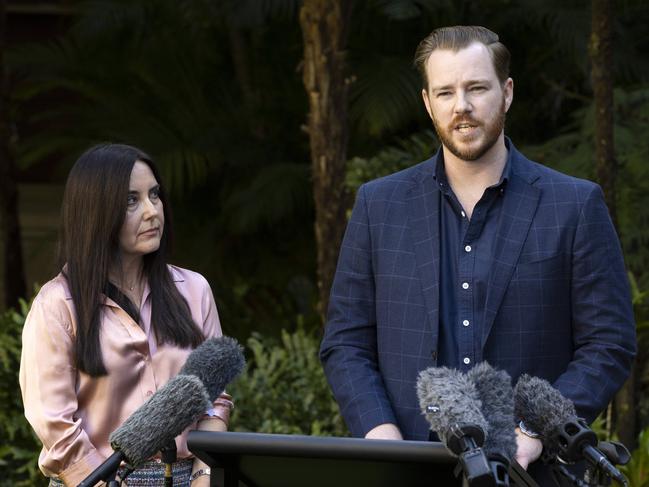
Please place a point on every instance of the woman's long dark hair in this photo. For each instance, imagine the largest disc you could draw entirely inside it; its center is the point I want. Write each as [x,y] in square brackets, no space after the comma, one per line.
[92,215]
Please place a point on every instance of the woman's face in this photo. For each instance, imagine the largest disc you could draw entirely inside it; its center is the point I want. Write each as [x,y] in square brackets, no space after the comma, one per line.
[142,229]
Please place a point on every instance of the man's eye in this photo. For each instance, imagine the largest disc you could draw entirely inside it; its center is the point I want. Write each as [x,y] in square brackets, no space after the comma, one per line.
[443,93]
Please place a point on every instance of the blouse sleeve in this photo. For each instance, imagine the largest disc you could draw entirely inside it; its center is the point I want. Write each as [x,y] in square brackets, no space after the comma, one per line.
[212,328]
[211,323]
[48,384]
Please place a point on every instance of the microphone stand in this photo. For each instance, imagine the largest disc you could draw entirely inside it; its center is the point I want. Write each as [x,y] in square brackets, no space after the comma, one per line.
[465,440]
[105,472]
[168,458]
[577,441]
[559,470]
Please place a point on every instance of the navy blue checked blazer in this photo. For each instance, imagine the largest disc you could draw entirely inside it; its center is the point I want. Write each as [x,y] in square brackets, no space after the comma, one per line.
[558,304]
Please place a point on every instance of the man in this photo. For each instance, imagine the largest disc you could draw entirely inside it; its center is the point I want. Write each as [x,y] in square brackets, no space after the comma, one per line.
[477,254]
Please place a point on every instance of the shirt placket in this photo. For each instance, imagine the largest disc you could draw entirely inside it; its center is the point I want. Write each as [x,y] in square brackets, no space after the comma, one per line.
[466,260]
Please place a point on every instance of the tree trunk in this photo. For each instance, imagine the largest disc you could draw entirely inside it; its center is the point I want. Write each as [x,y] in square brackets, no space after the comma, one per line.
[14,273]
[601,57]
[324,30]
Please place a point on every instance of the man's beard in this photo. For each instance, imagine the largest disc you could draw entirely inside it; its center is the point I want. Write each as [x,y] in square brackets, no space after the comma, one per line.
[492,132]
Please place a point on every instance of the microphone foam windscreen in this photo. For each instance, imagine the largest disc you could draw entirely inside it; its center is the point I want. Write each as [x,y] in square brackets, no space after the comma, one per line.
[447,397]
[173,408]
[216,362]
[542,407]
[496,393]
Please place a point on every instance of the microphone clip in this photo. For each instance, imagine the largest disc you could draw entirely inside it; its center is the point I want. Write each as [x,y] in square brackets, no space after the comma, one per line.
[465,440]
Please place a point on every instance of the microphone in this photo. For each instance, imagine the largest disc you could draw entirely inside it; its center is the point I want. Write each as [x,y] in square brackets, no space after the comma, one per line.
[450,402]
[216,362]
[495,391]
[545,410]
[173,408]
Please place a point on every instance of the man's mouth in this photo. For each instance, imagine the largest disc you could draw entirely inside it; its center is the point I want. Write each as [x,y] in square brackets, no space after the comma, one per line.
[465,127]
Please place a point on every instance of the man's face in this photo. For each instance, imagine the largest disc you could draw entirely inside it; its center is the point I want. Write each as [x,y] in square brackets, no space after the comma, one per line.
[466,101]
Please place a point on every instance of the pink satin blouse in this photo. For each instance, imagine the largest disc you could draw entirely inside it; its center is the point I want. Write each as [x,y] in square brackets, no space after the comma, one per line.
[72,413]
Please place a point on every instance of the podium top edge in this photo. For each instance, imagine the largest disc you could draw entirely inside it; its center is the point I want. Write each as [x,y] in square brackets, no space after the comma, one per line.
[265,444]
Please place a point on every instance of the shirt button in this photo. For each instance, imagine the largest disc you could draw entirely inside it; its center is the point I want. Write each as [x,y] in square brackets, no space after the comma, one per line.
[466,360]
[433,355]
[466,323]
[467,248]
[463,214]
[465,285]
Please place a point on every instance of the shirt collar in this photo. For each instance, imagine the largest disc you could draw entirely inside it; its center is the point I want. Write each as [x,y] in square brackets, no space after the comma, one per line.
[439,172]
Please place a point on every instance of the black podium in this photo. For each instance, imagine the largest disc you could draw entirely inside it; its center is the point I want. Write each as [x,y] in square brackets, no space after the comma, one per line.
[265,460]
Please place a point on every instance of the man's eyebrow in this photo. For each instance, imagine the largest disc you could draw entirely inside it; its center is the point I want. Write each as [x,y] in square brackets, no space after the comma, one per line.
[478,81]
[440,88]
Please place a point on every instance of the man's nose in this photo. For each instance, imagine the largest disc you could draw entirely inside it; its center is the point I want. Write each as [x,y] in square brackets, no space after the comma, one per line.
[462,103]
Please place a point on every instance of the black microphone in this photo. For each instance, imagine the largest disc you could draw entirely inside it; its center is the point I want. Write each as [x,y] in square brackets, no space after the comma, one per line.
[495,391]
[450,402]
[173,408]
[216,362]
[546,411]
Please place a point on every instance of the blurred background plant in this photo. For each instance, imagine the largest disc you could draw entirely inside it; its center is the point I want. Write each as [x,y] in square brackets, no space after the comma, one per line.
[284,390]
[20,447]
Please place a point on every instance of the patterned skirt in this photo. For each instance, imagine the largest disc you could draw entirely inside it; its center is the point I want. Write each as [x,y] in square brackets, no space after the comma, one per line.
[150,474]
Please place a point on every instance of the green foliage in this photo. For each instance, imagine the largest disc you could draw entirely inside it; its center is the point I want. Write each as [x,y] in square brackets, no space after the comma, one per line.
[637,470]
[19,448]
[640,298]
[404,153]
[284,390]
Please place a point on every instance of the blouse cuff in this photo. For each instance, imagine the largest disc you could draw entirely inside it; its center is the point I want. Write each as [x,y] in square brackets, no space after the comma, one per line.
[74,474]
[221,408]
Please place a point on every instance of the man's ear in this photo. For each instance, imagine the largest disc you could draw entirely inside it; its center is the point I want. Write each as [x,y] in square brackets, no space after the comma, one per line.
[508,89]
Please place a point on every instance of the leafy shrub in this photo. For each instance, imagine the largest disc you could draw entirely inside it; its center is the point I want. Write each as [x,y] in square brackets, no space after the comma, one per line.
[19,448]
[404,153]
[637,470]
[284,390]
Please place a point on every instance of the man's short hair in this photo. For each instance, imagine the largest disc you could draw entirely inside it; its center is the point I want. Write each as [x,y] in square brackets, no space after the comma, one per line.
[458,37]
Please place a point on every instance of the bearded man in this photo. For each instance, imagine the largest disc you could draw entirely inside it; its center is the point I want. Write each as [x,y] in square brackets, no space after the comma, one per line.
[477,254]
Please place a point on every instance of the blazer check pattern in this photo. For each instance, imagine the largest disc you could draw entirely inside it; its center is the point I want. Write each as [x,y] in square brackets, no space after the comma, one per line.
[558,302]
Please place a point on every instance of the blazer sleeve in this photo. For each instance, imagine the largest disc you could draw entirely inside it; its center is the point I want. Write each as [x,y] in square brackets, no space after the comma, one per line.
[48,384]
[603,327]
[349,348]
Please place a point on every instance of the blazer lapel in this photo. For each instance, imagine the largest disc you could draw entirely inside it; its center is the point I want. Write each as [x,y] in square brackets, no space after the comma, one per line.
[519,207]
[423,221]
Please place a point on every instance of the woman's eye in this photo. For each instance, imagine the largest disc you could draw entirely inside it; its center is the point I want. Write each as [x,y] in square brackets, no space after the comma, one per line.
[131,201]
[154,194]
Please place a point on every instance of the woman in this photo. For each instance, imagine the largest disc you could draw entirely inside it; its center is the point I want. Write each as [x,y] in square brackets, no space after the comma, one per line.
[116,324]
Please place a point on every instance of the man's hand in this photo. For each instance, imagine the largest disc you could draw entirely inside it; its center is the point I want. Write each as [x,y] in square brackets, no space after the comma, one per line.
[528,449]
[385,431]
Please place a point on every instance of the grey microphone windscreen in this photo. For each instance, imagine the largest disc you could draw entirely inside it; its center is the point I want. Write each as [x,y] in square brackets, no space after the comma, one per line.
[496,393]
[173,408]
[216,362]
[447,397]
[542,407]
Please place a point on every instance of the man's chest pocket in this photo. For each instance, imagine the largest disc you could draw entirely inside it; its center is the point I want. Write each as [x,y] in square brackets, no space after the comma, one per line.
[531,267]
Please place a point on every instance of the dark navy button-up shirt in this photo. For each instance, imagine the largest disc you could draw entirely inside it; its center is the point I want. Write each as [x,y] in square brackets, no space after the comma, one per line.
[466,250]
